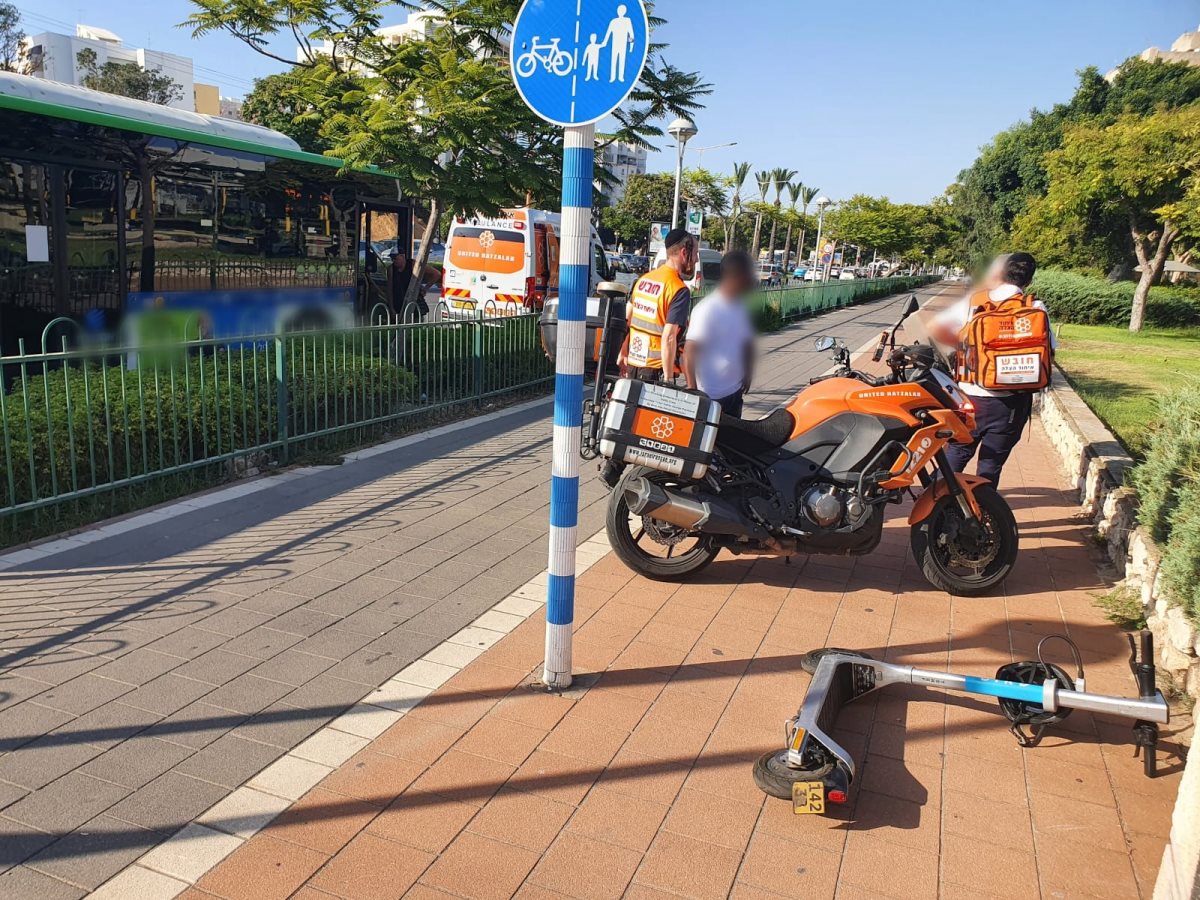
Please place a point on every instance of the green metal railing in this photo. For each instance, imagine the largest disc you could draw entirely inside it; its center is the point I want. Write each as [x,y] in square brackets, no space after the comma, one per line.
[802,300]
[82,421]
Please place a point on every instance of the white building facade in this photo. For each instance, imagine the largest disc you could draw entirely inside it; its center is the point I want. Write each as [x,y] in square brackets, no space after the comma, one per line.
[54,56]
[623,161]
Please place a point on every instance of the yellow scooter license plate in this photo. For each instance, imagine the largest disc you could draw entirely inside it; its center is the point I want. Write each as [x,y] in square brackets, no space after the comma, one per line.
[808,797]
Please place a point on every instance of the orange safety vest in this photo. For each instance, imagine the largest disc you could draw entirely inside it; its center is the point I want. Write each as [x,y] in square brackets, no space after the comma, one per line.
[1005,346]
[648,304]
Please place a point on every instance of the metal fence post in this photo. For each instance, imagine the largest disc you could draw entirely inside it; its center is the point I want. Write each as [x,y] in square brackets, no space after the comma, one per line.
[281,397]
[477,345]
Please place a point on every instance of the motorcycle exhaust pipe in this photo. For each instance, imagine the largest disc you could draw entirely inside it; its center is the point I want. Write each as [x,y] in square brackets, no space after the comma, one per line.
[712,515]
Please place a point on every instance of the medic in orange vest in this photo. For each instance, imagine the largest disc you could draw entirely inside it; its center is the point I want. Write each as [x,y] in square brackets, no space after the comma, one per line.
[658,310]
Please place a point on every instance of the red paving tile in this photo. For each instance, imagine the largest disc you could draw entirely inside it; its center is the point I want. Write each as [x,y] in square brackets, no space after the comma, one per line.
[639,784]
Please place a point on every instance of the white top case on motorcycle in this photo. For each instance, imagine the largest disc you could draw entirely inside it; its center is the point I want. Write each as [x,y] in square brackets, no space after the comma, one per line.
[660,427]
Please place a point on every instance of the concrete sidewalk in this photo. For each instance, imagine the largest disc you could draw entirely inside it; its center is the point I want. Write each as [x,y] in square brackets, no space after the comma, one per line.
[149,669]
[637,782]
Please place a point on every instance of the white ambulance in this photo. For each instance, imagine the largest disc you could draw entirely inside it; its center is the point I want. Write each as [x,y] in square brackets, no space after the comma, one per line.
[508,264]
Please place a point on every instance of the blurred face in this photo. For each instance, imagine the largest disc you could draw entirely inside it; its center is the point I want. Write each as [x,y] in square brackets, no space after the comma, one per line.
[994,276]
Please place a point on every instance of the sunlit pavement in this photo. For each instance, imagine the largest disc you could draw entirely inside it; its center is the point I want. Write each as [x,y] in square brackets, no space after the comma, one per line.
[638,781]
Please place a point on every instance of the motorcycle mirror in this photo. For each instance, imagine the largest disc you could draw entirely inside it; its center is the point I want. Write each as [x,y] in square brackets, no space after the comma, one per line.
[912,306]
[824,342]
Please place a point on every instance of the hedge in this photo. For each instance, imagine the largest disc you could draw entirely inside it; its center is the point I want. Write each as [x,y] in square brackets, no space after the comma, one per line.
[1087,300]
[120,423]
[1168,485]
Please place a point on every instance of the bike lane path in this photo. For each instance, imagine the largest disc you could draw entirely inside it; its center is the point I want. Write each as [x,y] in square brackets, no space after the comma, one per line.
[151,667]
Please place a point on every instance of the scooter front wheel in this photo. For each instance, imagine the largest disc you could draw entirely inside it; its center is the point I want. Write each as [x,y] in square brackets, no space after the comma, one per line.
[775,777]
[652,548]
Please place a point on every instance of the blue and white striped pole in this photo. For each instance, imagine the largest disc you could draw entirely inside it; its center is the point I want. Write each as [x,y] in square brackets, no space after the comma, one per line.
[573,276]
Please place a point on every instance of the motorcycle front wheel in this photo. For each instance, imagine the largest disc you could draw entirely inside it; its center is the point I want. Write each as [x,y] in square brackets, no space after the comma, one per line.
[963,559]
[650,547]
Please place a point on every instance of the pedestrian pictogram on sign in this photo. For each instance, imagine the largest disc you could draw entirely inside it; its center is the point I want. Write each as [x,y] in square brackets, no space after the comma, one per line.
[575,61]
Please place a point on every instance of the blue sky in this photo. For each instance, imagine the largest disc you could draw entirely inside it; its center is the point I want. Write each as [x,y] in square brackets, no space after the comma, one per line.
[878,96]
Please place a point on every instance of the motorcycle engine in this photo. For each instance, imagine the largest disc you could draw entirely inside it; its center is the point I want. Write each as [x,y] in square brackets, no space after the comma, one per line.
[828,506]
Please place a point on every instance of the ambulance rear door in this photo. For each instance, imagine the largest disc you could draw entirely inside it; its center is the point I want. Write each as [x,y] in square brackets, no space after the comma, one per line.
[488,264]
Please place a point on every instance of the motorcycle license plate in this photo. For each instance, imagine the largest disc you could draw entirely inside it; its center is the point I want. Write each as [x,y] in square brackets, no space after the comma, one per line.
[808,798]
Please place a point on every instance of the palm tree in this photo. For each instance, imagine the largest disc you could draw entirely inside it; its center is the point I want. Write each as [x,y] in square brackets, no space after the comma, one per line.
[741,172]
[794,190]
[779,178]
[806,197]
[764,184]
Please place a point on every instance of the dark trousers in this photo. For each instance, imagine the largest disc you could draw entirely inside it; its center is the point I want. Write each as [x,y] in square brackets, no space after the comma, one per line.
[999,422]
[732,405]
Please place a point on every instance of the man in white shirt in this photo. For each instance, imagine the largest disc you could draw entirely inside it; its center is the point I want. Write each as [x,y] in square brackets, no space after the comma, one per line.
[718,352]
[1000,416]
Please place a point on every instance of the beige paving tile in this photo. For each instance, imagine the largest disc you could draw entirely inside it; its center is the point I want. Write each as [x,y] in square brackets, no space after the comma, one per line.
[191,852]
[289,777]
[137,883]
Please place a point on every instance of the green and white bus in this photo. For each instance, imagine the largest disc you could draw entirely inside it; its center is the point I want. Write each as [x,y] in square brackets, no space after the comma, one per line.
[111,206]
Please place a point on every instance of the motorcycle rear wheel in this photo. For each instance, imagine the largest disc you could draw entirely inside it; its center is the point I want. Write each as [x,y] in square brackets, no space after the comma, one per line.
[941,557]
[640,551]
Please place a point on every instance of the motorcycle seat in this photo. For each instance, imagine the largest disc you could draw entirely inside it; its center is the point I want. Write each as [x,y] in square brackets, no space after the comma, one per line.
[752,436]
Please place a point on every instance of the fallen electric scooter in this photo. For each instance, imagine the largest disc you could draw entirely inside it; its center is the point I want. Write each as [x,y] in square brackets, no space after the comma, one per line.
[814,771]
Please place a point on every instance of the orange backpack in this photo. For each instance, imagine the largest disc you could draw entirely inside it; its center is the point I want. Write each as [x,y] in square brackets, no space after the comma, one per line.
[1005,346]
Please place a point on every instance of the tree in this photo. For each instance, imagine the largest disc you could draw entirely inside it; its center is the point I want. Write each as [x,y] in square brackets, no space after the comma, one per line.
[795,191]
[806,197]
[764,186]
[1142,170]
[779,179]
[439,113]
[1010,174]
[278,102]
[647,200]
[11,38]
[741,172]
[127,80]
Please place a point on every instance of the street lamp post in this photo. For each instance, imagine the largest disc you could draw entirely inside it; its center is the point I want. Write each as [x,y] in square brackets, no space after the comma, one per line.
[822,203]
[683,130]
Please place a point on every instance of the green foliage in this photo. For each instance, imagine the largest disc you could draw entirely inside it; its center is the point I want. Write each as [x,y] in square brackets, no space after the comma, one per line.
[1010,174]
[78,428]
[11,38]
[648,200]
[1123,607]
[1089,300]
[278,102]
[1121,374]
[127,79]
[1168,484]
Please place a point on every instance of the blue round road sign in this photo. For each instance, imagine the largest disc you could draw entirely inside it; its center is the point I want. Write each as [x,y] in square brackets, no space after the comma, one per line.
[575,61]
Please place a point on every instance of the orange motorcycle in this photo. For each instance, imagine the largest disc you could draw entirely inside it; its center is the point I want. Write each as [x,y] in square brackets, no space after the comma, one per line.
[815,476]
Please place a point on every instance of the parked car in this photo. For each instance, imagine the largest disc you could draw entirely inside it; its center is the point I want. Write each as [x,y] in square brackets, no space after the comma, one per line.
[847,275]
[769,275]
[813,274]
[800,272]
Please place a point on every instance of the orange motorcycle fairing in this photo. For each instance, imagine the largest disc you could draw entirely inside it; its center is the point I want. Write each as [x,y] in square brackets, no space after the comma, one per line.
[945,426]
[939,489]
[822,401]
